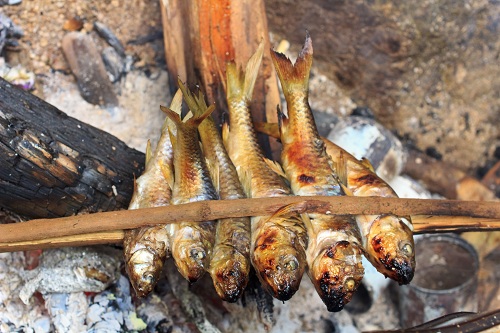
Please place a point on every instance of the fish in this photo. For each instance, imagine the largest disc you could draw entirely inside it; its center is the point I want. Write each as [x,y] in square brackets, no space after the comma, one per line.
[146,249]
[230,262]
[191,242]
[278,242]
[387,239]
[334,251]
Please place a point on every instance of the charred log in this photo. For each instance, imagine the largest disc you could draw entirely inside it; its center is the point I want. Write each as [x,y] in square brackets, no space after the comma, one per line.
[52,165]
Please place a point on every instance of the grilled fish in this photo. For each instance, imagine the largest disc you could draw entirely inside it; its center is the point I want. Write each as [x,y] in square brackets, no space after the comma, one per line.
[192,242]
[334,251]
[387,239]
[230,262]
[146,248]
[277,242]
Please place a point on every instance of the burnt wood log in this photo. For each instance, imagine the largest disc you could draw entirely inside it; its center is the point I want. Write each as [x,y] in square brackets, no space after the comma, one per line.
[52,165]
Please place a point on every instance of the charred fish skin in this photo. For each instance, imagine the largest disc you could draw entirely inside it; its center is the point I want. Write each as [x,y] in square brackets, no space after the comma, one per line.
[277,243]
[230,262]
[387,239]
[146,249]
[192,242]
[334,251]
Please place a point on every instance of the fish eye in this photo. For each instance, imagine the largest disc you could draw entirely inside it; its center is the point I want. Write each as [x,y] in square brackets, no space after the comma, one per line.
[148,277]
[291,265]
[197,254]
[407,249]
[350,284]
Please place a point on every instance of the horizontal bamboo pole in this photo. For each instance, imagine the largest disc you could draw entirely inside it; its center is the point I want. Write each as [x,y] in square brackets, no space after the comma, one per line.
[421,223]
[46,229]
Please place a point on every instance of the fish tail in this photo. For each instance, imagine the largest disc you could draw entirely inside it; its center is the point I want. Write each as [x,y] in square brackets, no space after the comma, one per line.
[239,83]
[198,115]
[294,77]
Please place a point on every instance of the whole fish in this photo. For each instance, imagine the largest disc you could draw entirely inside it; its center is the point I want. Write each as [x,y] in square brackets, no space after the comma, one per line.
[230,262]
[277,242]
[334,251]
[387,239]
[147,248]
[191,242]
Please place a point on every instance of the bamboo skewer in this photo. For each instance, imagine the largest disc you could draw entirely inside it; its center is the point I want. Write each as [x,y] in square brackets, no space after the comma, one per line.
[107,227]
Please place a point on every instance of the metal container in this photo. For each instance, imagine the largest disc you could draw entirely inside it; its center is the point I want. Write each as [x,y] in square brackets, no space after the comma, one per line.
[445,280]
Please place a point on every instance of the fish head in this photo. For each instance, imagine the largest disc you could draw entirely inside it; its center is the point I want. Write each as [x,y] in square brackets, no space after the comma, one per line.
[336,273]
[390,247]
[230,277]
[144,269]
[191,259]
[280,263]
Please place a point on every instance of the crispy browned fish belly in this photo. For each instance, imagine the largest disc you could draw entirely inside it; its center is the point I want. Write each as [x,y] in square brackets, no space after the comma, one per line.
[277,243]
[230,262]
[334,252]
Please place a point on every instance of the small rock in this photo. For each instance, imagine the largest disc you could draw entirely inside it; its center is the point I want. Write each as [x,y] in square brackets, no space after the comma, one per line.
[364,137]
[89,70]
[114,64]
[110,38]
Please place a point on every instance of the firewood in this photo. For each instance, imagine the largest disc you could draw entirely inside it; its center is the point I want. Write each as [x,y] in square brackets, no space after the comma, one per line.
[52,165]
[202,36]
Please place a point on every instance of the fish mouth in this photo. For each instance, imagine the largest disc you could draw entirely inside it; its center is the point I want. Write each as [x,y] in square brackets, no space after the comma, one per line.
[336,275]
[145,285]
[191,263]
[280,275]
[401,271]
[230,281]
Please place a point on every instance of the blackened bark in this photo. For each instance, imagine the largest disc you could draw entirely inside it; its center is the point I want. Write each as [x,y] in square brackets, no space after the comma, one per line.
[52,165]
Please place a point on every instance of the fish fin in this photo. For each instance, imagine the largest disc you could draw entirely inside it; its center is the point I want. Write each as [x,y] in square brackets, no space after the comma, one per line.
[307,221]
[252,70]
[290,209]
[214,170]
[199,110]
[175,119]
[367,164]
[176,105]
[294,77]
[246,180]
[275,166]
[167,173]
[225,134]
[341,168]
[149,153]
[282,123]
[341,174]
[271,129]
[241,84]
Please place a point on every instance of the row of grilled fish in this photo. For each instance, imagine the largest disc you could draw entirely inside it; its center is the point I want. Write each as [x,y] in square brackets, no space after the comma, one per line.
[280,247]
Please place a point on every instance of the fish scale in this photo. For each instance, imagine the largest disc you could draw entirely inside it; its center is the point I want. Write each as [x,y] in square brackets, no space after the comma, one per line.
[230,262]
[146,249]
[277,242]
[334,250]
[192,242]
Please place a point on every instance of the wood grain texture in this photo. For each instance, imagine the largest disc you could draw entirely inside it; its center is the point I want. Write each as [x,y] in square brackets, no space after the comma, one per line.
[486,214]
[202,36]
[52,165]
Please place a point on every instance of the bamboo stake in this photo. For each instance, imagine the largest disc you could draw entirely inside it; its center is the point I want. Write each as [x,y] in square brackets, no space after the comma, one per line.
[41,229]
[422,224]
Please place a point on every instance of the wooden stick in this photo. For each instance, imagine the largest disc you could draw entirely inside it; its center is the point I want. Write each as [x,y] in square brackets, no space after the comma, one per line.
[212,210]
[422,224]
